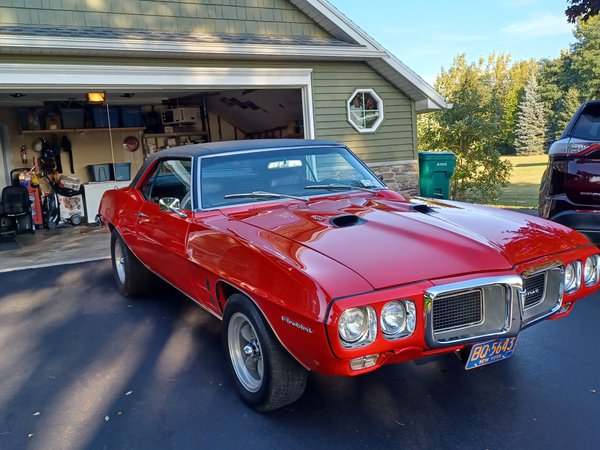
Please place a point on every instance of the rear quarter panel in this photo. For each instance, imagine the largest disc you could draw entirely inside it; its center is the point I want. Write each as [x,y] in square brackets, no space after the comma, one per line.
[118,208]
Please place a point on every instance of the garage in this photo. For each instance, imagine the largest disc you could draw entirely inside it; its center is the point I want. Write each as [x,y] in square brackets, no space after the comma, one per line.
[99,143]
[98,87]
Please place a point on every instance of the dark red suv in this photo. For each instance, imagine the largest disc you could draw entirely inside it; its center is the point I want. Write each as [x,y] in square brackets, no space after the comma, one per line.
[570,189]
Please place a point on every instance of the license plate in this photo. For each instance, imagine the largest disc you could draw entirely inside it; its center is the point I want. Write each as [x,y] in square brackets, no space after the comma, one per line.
[491,352]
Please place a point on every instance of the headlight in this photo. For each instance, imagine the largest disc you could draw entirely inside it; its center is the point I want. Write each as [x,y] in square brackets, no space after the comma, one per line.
[398,319]
[393,318]
[590,270]
[357,327]
[572,277]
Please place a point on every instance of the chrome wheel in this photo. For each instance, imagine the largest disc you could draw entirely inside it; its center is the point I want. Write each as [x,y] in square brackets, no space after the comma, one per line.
[245,352]
[120,262]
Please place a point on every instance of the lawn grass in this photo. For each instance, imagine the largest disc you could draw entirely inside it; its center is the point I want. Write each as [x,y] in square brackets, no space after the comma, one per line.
[522,192]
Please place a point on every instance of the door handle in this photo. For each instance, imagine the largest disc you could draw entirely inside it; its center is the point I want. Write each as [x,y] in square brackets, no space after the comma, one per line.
[141,214]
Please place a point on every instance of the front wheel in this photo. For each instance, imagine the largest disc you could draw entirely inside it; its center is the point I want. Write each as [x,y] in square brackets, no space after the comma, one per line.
[266,375]
[131,277]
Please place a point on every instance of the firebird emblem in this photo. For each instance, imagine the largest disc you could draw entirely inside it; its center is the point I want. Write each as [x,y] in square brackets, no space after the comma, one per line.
[296,324]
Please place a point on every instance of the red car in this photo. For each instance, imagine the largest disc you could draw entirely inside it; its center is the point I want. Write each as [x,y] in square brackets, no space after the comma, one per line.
[314,265]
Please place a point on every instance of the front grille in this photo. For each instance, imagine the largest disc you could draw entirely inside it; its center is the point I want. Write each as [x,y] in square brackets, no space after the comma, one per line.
[457,310]
[534,289]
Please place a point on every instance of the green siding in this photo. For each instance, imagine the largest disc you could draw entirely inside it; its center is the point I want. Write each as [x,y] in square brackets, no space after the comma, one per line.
[333,84]
[245,17]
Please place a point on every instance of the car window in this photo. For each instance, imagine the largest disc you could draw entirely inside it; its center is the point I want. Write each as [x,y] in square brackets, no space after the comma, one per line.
[588,124]
[171,178]
[285,172]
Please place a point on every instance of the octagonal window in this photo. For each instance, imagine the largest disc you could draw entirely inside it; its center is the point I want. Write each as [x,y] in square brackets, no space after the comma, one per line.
[365,110]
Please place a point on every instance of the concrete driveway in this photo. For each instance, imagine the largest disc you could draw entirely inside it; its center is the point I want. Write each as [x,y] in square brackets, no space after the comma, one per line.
[83,368]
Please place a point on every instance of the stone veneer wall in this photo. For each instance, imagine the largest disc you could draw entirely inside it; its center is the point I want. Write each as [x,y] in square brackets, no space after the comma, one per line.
[400,176]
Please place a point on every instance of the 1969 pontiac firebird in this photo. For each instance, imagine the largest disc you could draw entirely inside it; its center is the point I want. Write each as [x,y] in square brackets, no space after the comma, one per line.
[312,264]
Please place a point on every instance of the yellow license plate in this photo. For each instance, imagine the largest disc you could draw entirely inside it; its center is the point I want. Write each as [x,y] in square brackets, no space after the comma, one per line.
[491,352]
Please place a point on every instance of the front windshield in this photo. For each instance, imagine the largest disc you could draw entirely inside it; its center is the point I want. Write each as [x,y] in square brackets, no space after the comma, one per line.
[284,172]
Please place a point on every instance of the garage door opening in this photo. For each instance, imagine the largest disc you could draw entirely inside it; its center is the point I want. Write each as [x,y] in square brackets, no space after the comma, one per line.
[135,123]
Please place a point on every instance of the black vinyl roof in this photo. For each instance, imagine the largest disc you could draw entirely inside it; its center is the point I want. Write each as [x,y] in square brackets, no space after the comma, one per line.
[225,147]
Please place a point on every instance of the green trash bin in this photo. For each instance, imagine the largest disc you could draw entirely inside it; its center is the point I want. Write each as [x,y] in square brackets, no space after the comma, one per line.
[435,171]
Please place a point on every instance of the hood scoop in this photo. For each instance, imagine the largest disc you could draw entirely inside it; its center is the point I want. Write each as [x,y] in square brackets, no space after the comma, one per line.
[346,220]
[422,208]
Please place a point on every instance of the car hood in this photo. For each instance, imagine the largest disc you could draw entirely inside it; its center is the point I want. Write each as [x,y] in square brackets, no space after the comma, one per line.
[389,242]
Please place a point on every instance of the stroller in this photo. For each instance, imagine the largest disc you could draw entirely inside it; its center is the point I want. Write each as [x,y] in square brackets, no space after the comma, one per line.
[62,202]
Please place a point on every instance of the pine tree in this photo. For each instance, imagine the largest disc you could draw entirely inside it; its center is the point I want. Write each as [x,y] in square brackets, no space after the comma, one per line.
[531,121]
[566,107]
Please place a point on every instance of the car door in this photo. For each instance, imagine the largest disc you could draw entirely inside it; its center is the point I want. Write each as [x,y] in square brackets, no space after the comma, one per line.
[162,234]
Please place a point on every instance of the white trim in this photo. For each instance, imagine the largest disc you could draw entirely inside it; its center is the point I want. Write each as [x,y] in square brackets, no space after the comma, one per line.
[309,112]
[179,49]
[54,77]
[380,110]
[60,77]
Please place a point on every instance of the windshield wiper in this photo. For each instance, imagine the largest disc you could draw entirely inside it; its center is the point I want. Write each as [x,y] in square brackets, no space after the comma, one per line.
[262,194]
[343,187]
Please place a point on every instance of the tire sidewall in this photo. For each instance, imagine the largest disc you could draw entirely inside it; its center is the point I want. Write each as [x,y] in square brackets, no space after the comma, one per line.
[241,305]
[115,240]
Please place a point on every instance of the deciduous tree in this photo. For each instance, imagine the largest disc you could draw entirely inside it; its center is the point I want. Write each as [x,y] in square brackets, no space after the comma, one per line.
[583,9]
[469,129]
[585,56]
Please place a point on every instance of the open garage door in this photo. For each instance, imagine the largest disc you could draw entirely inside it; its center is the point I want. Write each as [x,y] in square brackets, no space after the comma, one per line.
[260,113]
[236,103]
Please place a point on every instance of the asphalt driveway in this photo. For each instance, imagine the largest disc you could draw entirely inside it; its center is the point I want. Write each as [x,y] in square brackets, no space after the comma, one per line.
[82,367]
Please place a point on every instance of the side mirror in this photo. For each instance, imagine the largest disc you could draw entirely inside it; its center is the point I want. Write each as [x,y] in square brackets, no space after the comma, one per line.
[171,204]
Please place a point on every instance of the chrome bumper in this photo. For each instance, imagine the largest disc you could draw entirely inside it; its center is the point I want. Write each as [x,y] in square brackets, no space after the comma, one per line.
[490,308]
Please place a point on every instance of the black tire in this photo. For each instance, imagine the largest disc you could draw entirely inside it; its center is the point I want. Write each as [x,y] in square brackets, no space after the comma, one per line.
[131,277]
[283,379]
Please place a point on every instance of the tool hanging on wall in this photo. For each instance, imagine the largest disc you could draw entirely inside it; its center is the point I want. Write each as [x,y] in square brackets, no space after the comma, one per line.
[24,149]
[66,146]
[55,147]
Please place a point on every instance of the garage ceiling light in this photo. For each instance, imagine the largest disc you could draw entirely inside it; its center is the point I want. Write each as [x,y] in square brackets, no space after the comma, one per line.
[96,97]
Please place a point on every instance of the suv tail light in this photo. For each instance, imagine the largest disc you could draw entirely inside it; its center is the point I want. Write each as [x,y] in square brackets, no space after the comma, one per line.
[582,148]
[575,148]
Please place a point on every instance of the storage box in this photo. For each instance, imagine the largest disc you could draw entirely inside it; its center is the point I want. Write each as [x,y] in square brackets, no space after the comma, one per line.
[52,121]
[131,116]
[32,119]
[99,172]
[101,118]
[121,172]
[72,117]
[69,182]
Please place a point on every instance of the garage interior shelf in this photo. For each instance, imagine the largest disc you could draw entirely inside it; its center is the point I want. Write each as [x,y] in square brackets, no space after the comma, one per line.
[176,133]
[81,130]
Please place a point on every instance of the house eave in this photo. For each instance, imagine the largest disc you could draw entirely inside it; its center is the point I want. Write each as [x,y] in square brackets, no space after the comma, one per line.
[349,43]
[58,45]
[339,26]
